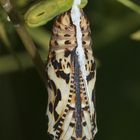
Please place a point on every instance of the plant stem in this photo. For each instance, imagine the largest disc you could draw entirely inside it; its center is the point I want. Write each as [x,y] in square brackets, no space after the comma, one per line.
[25,37]
[131,5]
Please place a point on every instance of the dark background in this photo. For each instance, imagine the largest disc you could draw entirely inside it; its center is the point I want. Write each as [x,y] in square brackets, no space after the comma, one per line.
[23,96]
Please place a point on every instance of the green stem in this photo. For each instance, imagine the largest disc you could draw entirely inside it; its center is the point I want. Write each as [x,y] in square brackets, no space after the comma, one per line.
[131,5]
[25,37]
[6,42]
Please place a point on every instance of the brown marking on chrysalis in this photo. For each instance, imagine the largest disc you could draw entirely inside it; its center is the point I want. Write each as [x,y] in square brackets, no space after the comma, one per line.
[67,53]
[51,107]
[64,29]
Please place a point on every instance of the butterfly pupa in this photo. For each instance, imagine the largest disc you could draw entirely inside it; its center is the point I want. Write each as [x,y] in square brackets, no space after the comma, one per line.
[71,110]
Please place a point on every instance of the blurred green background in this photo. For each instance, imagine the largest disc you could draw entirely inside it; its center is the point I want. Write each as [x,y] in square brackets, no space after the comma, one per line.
[23,97]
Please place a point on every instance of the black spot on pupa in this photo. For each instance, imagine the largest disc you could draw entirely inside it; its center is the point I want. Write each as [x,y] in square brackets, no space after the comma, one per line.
[63,119]
[93,66]
[56,115]
[72,124]
[86,66]
[57,99]
[63,75]
[52,86]
[71,91]
[67,53]
[67,42]
[56,43]
[58,95]
[82,28]
[87,102]
[84,42]
[72,81]
[93,97]
[86,108]
[51,107]
[71,86]
[83,89]
[59,129]
[64,115]
[68,64]
[66,110]
[59,19]
[70,96]
[84,123]
[59,72]
[90,76]
[66,28]
[57,137]
[52,56]
[86,53]
[56,64]
[59,26]
[57,124]
[59,133]
[67,35]
[69,100]
[67,105]
[85,98]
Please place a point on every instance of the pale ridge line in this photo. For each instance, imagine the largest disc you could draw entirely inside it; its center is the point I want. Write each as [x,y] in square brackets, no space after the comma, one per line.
[75,15]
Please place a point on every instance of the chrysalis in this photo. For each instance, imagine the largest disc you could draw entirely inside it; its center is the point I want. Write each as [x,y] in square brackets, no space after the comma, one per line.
[71,110]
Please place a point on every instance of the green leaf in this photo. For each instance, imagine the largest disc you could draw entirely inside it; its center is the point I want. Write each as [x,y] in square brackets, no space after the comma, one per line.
[4,37]
[116,29]
[135,36]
